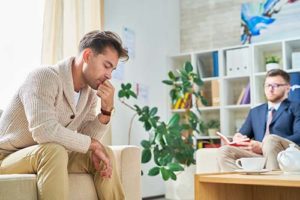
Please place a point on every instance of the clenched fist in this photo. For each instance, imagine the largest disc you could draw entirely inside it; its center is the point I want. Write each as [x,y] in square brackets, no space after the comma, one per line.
[106,92]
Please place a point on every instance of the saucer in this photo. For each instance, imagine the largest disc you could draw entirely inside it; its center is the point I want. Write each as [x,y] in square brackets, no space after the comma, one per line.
[243,171]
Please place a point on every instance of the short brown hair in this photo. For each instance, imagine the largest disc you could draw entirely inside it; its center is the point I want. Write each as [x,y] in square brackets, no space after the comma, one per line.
[279,72]
[99,40]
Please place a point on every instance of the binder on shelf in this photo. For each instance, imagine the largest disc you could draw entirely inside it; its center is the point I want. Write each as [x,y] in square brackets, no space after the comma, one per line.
[295,60]
[294,94]
[200,67]
[246,98]
[244,61]
[215,64]
[230,63]
[237,62]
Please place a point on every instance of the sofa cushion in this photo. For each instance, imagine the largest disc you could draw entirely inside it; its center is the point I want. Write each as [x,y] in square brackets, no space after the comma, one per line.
[23,187]
[18,187]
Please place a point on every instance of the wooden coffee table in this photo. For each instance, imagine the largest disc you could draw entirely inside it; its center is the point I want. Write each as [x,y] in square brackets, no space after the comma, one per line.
[233,186]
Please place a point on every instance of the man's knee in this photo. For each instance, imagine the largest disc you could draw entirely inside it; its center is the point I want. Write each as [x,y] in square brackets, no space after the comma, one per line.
[269,143]
[54,151]
[224,152]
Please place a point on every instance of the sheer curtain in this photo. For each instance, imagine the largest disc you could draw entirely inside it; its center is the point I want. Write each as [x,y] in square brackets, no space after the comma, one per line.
[21,40]
[65,22]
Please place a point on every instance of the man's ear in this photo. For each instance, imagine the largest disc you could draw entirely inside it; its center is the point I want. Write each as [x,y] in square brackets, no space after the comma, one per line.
[87,55]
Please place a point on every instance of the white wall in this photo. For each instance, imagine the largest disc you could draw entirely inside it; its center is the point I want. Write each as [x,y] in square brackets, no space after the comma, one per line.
[156,27]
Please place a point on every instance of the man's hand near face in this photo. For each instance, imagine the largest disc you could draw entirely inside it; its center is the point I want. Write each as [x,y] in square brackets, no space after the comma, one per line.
[106,92]
[99,154]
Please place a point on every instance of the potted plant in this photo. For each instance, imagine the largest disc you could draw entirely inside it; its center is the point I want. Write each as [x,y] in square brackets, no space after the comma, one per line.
[272,62]
[212,127]
[170,143]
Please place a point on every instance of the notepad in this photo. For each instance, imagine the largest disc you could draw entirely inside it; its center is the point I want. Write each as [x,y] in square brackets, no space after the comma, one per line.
[232,143]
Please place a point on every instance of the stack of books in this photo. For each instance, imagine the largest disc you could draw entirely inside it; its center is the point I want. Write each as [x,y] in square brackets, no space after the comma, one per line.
[183,103]
[244,97]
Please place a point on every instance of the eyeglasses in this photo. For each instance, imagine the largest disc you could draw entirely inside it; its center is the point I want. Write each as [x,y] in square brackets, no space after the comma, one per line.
[274,85]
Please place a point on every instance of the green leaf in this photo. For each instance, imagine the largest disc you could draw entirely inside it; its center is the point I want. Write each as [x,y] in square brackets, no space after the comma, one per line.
[143,118]
[175,167]
[147,125]
[128,86]
[153,111]
[186,83]
[188,67]
[198,81]
[153,122]
[204,101]
[131,93]
[146,155]
[154,171]
[156,118]
[173,95]
[165,173]
[171,75]
[168,82]
[184,74]
[121,93]
[173,176]
[156,155]
[162,128]
[146,144]
[123,86]
[138,109]
[185,126]
[146,109]
[174,120]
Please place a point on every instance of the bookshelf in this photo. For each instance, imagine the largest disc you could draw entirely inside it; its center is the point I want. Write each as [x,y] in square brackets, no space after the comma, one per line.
[226,72]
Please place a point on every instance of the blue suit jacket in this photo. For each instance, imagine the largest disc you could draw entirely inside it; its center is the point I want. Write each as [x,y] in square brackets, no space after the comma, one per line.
[285,122]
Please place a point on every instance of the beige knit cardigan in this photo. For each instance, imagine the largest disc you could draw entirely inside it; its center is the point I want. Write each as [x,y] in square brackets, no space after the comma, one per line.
[43,110]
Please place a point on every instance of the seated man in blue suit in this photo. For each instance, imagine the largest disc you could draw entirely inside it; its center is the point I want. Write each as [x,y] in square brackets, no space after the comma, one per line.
[271,127]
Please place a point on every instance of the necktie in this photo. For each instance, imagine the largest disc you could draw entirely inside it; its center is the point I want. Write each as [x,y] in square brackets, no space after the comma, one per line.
[269,120]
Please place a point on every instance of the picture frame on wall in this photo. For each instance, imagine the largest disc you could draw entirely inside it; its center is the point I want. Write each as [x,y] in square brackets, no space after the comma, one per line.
[269,20]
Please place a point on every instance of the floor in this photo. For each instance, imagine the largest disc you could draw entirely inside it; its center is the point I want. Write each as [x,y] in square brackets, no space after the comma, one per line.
[155,198]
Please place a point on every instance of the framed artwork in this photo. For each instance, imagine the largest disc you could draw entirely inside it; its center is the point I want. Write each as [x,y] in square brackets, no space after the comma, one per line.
[270,20]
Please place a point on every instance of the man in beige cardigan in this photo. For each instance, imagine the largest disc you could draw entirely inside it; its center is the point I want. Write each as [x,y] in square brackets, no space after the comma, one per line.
[53,126]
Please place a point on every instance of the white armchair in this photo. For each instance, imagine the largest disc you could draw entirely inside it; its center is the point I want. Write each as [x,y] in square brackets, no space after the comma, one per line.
[206,160]
[23,186]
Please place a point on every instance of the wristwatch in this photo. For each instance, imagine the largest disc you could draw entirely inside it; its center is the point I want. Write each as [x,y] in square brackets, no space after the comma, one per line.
[108,113]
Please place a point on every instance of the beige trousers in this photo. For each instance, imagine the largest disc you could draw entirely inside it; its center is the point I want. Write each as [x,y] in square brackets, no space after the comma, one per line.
[271,146]
[52,163]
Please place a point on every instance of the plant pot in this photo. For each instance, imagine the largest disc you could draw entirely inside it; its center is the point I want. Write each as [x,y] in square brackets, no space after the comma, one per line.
[270,66]
[212,131]
[183,187]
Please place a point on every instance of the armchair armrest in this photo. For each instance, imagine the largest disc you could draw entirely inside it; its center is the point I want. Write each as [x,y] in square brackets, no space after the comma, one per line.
[206,160]
[128,161]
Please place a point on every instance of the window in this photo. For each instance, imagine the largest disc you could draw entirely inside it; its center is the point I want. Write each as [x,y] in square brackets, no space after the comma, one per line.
[21,42]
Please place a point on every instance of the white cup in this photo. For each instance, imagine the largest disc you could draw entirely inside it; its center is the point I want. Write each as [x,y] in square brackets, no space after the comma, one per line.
[253,163]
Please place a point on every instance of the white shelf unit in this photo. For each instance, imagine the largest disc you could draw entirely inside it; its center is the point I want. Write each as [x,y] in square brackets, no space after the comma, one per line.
[231,114]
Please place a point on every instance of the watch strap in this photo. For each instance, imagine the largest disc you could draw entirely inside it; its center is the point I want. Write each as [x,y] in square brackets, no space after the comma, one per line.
[105,112]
